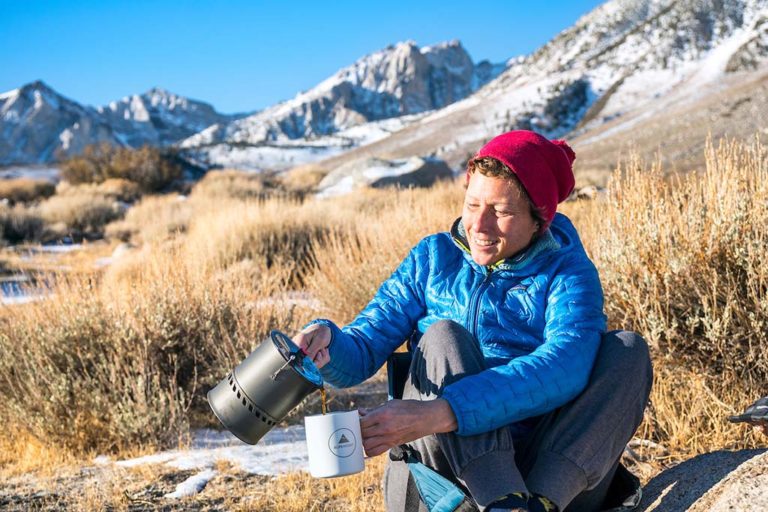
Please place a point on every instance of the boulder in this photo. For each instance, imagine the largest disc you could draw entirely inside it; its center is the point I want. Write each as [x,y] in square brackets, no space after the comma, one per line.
[377,173]
[714,482]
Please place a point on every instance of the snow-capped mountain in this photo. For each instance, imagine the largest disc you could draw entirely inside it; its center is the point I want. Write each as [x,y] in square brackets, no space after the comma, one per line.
[399,80]
[158,118]
[629,70]
[623,64]
[39,125]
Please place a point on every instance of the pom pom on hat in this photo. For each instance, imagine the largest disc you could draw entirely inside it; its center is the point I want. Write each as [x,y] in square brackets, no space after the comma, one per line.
[544,167]
[568,151]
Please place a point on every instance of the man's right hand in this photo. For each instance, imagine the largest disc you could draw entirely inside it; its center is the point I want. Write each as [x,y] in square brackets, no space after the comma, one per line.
[314,341]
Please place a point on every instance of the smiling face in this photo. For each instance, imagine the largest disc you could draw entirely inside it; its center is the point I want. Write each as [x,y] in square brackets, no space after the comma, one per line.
[497,218]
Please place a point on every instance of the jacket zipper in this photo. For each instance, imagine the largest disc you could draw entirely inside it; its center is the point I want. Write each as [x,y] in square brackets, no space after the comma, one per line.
[474,311]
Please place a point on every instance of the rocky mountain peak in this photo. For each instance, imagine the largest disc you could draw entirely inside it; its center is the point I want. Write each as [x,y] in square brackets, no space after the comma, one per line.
[39,125]
[161,98]
[158,117]
[398,80]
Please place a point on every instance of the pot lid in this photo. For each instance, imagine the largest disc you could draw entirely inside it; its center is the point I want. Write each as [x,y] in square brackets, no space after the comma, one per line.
[296,358]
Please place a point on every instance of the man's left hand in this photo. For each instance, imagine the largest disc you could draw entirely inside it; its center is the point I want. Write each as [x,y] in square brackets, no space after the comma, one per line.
[400,421]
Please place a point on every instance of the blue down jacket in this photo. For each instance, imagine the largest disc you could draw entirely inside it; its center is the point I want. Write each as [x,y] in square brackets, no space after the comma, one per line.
[538,318]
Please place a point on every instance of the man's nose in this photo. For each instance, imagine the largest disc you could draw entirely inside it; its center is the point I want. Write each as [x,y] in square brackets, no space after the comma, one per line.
[483,220]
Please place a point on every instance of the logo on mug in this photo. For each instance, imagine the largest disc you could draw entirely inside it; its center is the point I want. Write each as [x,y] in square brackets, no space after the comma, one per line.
[342,442]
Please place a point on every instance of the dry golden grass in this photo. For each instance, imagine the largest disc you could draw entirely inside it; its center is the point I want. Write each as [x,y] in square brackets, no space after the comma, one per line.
[22,190]
[120,189]
[277,232]
[153,219]
[682,261]
[22,453]
[82,209]
[303,177]
[231,184]
[30,259]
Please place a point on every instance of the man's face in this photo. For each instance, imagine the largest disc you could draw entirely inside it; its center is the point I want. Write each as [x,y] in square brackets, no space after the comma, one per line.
[497,219]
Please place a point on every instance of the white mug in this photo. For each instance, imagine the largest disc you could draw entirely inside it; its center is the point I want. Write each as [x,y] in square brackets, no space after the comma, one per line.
[334,444]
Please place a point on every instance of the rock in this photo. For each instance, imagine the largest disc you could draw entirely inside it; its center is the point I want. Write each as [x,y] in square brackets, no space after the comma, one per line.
[377,173]
[713,482]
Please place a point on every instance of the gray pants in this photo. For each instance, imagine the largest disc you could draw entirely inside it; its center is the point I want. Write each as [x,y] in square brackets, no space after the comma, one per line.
[570,456]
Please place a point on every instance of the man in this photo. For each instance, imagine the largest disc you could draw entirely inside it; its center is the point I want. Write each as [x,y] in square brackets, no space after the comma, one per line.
[515,391]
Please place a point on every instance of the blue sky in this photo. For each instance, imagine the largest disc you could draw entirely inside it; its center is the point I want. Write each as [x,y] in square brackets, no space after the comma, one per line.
[242,55]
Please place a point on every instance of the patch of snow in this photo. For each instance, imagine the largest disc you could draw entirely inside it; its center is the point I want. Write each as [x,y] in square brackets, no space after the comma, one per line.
[261,158]
[207,136]
[192,485]
[18,289]
[39,101]
[713,65]
[13,94]
[36,173]
[22,299]
[137,110]
[288,153]
[66,138]
[58,248]
[344,186]
[282,450]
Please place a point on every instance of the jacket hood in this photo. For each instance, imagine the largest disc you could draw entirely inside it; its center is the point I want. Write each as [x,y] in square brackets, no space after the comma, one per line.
[560,237]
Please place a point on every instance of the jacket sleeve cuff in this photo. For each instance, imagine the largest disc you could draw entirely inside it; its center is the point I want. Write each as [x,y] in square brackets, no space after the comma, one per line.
[453,400]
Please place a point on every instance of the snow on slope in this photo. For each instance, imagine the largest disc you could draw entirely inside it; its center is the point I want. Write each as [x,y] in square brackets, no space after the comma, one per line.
[623,59]
[286,154]
[381,92]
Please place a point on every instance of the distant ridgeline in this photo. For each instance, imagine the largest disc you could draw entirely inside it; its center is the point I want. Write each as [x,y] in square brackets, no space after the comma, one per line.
[625,61]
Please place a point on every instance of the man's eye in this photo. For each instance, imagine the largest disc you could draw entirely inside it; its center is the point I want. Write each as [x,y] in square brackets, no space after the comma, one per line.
[472,206]
[503,213]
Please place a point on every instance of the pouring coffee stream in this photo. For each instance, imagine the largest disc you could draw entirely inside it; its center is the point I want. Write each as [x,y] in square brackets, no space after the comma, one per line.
[269,383]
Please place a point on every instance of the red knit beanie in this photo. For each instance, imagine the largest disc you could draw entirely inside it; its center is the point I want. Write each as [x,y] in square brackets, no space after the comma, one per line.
[543,167]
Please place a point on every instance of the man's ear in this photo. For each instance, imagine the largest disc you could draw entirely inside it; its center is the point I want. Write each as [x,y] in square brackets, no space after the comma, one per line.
[467,175]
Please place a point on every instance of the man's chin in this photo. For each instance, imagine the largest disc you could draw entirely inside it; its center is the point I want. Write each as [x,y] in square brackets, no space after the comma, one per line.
[484,259]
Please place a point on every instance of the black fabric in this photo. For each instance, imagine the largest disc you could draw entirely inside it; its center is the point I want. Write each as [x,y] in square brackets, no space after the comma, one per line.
[398,365]
[624,493]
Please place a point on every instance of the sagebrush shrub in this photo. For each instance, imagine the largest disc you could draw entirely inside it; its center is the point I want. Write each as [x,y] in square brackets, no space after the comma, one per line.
[683,259]
[24,190]
[19,224]
[150,168]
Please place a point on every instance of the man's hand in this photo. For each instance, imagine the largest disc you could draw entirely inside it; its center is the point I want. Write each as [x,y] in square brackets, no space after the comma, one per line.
[400,421]
[761,429]
[314,341]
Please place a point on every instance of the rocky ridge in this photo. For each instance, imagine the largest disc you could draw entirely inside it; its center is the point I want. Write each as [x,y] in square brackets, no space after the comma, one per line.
[624,61]
[158,118]
[399,80]
[39,125]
